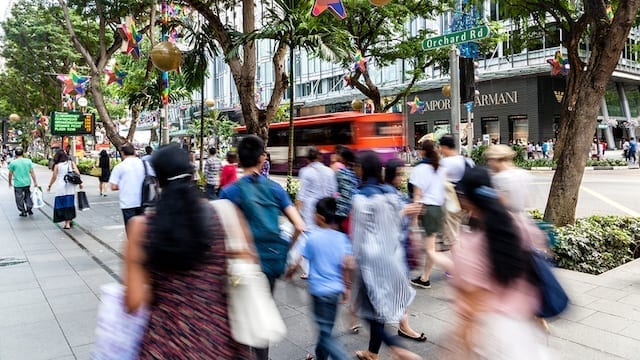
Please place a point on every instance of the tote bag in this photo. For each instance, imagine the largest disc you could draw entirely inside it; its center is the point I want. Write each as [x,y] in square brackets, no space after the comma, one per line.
[83,202]
[253,315]
[118,334]
[36,198]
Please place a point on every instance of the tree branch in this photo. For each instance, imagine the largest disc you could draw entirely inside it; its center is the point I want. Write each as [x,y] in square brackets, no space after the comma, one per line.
[74,38]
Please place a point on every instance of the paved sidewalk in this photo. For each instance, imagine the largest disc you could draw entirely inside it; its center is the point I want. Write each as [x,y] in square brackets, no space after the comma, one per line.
[50,280]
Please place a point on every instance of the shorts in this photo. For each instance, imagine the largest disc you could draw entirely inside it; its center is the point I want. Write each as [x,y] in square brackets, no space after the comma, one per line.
[430,219]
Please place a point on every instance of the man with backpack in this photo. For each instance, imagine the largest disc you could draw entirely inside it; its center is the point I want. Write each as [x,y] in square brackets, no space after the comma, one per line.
[262,201]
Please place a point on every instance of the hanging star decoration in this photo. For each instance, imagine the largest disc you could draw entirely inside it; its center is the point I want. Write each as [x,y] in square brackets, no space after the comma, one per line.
[130,34]
[420,105]
[73,83]
[360,63]
[173,35]
[115,75]
[413,107]
[559,65]
[336,7]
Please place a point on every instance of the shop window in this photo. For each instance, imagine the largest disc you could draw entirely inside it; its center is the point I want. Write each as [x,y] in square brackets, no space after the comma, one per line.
[613,102]
[420,129]
[491,126]
[519,129]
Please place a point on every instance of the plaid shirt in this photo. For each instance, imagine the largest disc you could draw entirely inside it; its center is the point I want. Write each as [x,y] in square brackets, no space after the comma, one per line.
[212,170]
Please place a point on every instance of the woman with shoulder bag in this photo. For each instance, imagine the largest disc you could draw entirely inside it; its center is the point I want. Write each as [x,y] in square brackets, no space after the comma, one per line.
[176,264]
[64,208]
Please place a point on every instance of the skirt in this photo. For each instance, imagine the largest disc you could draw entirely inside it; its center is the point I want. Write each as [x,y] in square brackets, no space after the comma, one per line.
[64,208]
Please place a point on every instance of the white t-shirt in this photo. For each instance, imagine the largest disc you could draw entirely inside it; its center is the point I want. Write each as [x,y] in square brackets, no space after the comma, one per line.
[317,181]
[454,167]
[129,175]
[430,182]
[513,186]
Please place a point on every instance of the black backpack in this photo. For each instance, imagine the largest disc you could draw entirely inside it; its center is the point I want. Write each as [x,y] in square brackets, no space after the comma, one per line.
[150,188]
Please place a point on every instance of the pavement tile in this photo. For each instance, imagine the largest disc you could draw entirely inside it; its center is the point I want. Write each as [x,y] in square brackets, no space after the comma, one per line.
[22,297]
[36,341]
[606,322]
[632,331]
[78,326]
[607,293]
[576,313]
[597,339]
[82,352]
[632,299]
[74,303]
[25,314]
[574,351]
[616,308]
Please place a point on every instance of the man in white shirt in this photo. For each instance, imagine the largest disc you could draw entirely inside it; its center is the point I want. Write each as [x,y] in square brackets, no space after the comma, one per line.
[127,178]
[317,181]
[453,163]
[511,182]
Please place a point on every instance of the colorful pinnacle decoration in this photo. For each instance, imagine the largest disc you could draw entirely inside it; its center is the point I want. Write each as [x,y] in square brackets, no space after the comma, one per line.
[115,75]
[609,12]
[130,34]
[559,65]
[416,105]
[360,63]
[336,7]
[73,83]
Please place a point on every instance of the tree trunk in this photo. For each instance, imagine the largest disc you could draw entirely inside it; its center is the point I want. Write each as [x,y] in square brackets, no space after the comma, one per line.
[135,112]
[586,85]
[98,100]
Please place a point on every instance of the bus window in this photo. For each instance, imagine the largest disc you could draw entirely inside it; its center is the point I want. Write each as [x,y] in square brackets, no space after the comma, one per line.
[391,128]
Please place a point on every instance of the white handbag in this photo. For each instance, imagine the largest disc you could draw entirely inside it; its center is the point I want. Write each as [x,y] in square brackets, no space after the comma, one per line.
[253,315]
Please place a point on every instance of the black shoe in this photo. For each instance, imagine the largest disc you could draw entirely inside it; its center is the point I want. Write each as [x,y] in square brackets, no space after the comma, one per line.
[30,212]
[23,214]
[417,282]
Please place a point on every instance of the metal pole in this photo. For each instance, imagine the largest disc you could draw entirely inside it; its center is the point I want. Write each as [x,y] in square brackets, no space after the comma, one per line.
[454,69]
[201,122]
[291,157]
[470,134]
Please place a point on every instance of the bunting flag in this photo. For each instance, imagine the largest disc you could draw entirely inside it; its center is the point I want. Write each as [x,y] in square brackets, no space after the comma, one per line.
[336,7]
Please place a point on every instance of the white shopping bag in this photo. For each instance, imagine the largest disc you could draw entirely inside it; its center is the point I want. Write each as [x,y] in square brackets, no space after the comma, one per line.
[36,198]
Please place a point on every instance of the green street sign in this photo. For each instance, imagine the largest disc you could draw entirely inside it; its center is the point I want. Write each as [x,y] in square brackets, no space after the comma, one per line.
[72,123]
[603,126]
[455,38]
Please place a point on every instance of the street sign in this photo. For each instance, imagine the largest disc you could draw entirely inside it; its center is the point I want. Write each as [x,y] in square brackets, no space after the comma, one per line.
[72,123]
[456,37]
[603,126]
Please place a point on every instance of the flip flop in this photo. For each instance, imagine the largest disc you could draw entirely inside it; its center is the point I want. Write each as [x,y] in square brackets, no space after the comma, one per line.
[362,355]
[355,329]
[419,338]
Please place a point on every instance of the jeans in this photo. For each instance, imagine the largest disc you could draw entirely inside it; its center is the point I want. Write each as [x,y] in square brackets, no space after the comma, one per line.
[324,310]
[211,192]
[131,212]
[23,198]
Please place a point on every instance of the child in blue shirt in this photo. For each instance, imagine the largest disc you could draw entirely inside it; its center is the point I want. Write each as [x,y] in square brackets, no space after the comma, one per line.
[331,264]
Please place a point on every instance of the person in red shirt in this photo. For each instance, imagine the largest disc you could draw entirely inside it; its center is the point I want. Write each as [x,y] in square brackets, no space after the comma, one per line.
[229,172]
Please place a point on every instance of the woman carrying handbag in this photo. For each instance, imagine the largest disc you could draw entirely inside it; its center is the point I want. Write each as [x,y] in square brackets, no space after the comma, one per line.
[64,209]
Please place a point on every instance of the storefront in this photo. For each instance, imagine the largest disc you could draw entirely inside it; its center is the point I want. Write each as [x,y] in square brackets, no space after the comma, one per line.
[510,110]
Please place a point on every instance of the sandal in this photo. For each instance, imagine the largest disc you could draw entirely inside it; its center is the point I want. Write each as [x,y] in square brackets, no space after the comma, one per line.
[355,329]
[420,338]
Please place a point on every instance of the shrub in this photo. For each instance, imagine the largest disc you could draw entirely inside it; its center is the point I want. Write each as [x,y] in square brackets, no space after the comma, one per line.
[293,186]
[85,166]
[477,155]
[598,243]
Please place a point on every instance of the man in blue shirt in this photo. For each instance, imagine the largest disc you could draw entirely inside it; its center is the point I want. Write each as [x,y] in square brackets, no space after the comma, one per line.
[262,200]
[632,150]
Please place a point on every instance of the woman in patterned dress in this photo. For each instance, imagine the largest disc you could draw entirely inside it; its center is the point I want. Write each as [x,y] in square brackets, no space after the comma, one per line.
[383,288]
[175,263]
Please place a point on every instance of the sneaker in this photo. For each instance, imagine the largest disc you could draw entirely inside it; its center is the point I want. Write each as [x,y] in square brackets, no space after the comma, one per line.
[29,212]
[417,282]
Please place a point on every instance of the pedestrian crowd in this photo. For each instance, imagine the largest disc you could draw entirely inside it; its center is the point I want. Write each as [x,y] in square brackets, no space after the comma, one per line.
[361,227]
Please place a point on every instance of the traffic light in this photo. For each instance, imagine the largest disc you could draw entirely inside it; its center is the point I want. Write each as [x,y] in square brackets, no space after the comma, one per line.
[467,79]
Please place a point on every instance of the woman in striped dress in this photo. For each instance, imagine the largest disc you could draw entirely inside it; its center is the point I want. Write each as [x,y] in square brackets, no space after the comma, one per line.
[383,289]
[175,263]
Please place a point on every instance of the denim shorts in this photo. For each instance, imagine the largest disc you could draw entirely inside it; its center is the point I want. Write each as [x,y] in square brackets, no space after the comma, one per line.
[430,219]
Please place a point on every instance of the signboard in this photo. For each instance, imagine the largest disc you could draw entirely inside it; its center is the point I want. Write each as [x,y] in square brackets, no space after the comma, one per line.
[603,126]
[456,37]
[72,123]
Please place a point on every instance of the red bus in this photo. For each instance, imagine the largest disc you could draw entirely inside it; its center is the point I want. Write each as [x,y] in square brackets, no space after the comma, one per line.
[379,132]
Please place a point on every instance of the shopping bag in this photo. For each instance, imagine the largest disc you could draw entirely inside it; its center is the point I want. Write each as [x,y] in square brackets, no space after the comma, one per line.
[118,334]
[36,198]
[83,202]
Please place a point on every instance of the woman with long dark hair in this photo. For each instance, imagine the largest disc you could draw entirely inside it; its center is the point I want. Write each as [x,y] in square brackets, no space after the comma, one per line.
[175,262]
[383,289]
[104,164]
[495,299]
[64,208]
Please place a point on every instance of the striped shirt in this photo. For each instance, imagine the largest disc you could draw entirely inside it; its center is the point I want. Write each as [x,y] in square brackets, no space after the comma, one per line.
[212,170]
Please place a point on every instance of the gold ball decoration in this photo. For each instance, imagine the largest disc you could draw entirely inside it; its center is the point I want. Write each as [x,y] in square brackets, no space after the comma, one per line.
[379,2]
[14,117]
[209,103]
[166,56]
[123,121]
[357,105]
[446,90]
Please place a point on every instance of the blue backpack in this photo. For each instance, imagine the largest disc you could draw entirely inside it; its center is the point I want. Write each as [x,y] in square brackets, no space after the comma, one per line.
[260,208]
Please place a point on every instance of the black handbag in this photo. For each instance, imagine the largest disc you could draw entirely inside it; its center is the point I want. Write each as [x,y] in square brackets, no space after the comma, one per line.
[83,202]
[72,177]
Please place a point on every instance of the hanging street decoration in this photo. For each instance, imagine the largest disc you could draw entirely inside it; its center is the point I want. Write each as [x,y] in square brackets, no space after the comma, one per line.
[609,12]
[416,105]
[73,83]
[132,38]
[559,65]
[360,63]
[336,7]
[348,81]
[115,75]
